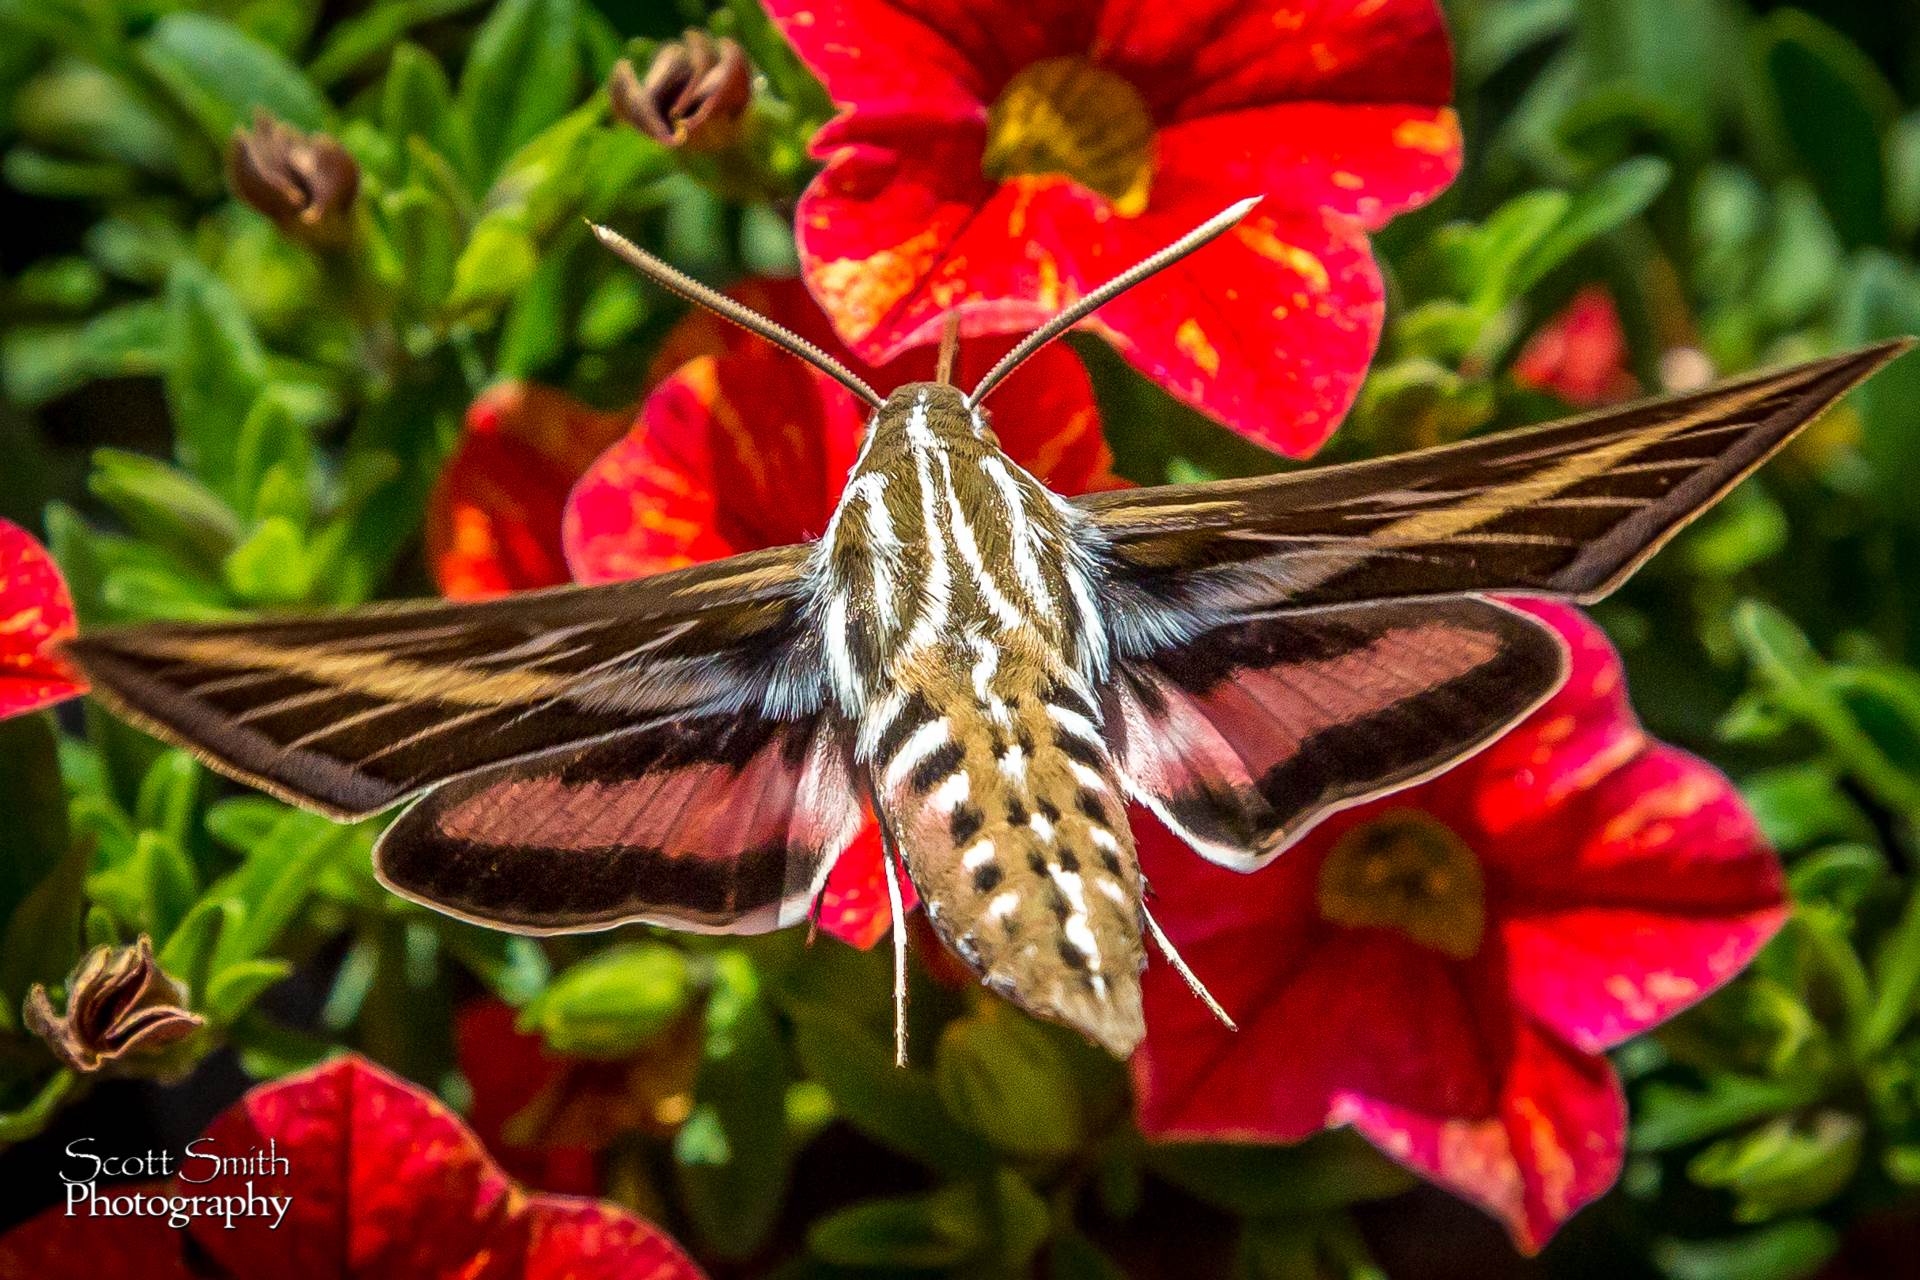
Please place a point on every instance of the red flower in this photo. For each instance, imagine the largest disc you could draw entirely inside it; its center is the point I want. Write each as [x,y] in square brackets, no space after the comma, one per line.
[383,1181]
[1005,156]
[746,447]
[493,521]
[1442,968]
[36,615]
[544,1115]
[1581,354]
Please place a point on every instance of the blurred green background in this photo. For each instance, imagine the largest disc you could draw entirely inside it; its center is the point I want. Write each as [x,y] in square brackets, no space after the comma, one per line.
[200,415]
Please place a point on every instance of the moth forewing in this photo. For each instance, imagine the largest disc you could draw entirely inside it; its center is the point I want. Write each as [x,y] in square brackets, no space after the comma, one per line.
[1569,509]
[349,713]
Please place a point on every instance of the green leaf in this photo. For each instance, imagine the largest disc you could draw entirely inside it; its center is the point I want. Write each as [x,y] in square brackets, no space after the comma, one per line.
[1833,106]
[1803,255]
[1666,1116]
[497,263]
[1896,980]
[732,1158]
[612,1003]
[220,75]
[38,1113]
[33,809]
[169,883]
[188,953]
[42,936]
[1071,1256]
[236,987]
[215,372]
[417,102]
[86,112]
[271,462]
[1323,1173]
[521,74]
[1880,298]
[1747,529]
[1799,683]
[1802,804]
[1788,1250]
[39,362]
[1603,207]
[899,1109]
[359,37]
[1002,1076]
[999,1223]
[1785,1166]
[164,505]
[918,1232]
[272,566]
[268,890]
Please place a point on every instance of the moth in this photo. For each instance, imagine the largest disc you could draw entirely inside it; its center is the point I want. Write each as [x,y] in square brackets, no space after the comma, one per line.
[993,669]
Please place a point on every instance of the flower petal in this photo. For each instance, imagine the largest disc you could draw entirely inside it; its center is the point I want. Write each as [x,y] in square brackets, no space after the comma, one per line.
[1336,113]
[593,1240]
[1207,57]
[936,60]
[55,1246]
[385,1182]
[1554,1145]
[1581,355]
[1581,734]
[729,454]
[507,1069]
[493,520]
[1364,161]
[1671,892]
[1208,329]
[36,614]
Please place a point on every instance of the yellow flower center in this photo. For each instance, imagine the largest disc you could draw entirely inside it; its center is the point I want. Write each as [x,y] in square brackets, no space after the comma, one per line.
[1068,116]
[1408,872]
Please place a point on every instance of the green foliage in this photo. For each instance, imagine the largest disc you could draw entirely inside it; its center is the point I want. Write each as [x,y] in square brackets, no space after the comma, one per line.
[259,425]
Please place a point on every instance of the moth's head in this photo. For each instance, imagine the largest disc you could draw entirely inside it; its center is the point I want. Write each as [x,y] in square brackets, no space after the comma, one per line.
[938,408]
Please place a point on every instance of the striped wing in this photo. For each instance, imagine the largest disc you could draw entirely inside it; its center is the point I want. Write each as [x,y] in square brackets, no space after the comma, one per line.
[1245,737]
[712,823]
[1569,509]
[351,713]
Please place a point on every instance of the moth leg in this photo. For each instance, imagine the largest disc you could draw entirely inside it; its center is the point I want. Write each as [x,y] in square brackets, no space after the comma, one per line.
[1187,975]
[895,904]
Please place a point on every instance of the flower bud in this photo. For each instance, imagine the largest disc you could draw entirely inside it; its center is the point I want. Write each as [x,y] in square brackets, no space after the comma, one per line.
[120,1003]
[693,94]
[306,183]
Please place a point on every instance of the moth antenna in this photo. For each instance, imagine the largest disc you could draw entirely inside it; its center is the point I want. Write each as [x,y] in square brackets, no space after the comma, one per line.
[1209,230]
[897,906]
[1194,984]
[949,349]
[676,281]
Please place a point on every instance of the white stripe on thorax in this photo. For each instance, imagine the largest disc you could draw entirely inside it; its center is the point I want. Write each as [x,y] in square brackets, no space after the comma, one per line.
[1010,617]
[1026,544]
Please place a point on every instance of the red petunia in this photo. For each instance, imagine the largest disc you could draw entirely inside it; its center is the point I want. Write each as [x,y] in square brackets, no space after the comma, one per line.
[36,615]
[746,447]
[493,520]
[384,1181]
[1581,354]
[545,1115]
[1005,156]
[1443,968]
